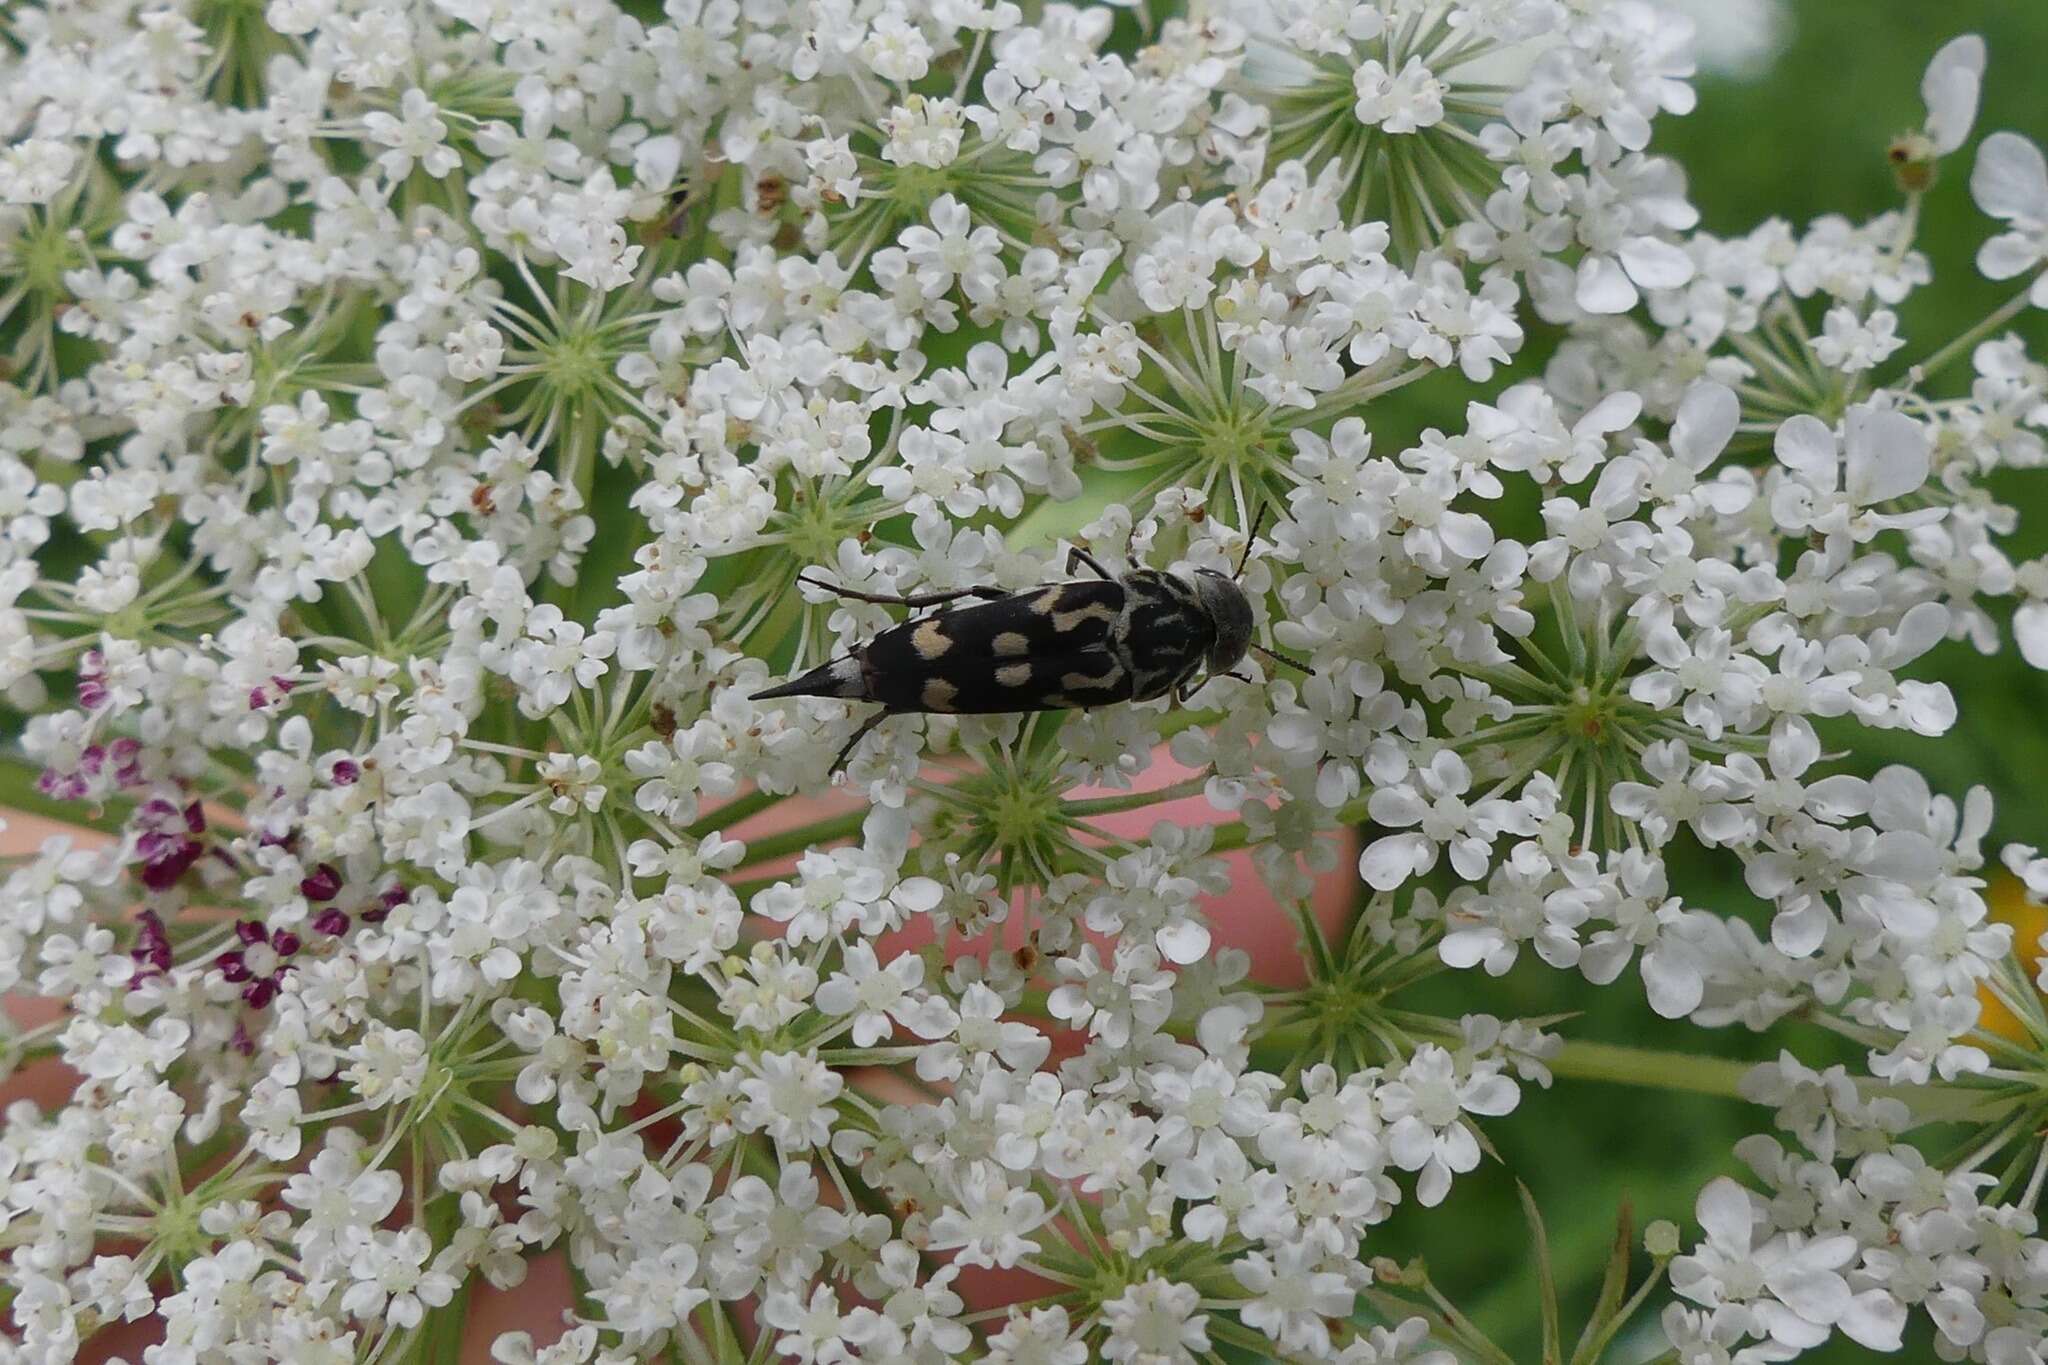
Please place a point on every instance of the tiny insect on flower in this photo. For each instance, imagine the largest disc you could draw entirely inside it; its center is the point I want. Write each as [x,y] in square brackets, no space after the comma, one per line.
[1059,646]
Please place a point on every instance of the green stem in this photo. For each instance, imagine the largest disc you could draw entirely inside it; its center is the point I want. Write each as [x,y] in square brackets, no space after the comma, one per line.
[1231,837]
[1590,1061]
[731,813]
[804,838]
[1109,805]
[1941,359]
[1591,1351]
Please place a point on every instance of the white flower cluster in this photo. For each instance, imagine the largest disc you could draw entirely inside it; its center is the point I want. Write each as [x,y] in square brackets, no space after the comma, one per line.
[415,416]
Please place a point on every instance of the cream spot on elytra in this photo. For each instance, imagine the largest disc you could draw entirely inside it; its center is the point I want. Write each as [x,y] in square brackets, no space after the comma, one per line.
[930,640]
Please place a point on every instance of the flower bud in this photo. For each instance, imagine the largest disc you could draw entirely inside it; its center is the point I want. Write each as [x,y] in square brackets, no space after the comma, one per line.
[1388,1271]
[1913,157]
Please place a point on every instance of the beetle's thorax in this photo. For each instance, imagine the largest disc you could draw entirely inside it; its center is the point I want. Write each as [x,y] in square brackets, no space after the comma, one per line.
[1230,612]
[1163,633]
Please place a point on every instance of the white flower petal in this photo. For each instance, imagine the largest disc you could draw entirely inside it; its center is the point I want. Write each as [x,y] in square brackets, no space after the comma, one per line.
[2030,632]
[2008,254]
[1707,418]
[918,894]
[1656,264]
[1888,456]
[1904,855]
[1613,413]
[1799,932]
[1806,446]
[1463,948]
[1672,982]
[1396,806]
[1388,862]
[1491,1096]
[1950,87]
[1794,747]
[1604,287]
[1817,1294]
[2010,179]
[1183,941]
[1466,534]
[1726,1215]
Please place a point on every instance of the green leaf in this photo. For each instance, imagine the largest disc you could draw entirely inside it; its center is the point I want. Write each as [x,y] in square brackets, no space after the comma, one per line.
[1613,1284]
[1546,1282]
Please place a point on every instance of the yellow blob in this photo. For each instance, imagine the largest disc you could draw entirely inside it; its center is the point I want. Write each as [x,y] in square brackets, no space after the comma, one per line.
[2007,895]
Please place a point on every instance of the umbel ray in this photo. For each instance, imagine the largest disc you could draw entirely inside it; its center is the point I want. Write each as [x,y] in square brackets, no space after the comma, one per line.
[1059,646]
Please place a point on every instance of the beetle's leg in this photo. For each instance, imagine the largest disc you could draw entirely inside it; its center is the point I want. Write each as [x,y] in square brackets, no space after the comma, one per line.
[1246,557]
[1278,657]
[916,599]
[1077,555]
[1183,691]
[858,735]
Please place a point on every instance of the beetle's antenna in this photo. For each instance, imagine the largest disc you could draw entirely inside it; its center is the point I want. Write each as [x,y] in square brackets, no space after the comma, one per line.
[1258,520]
[1276,654]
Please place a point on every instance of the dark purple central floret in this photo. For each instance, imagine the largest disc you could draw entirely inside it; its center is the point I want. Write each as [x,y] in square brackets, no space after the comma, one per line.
[322,884]
[259,965]
[169,842]
[152,950]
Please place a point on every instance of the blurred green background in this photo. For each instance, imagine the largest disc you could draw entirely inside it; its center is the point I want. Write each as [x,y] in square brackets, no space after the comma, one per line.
[1799,136]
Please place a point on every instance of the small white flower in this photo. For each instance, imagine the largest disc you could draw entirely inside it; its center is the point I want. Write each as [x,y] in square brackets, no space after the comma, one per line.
[992,1221]
[1832,484]
[788,1096]
[874,995]
[33,170]
[414,135]
[391,1279]
[1292,1298]
[1850,344]
[1155,1320]
[1792,1285]
[1425,1108]
[1398,102]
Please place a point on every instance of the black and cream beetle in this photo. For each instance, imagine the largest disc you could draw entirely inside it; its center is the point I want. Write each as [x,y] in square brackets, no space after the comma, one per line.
[1059,646]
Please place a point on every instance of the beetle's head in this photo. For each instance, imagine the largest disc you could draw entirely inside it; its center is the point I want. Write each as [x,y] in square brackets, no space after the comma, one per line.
[1231,611]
